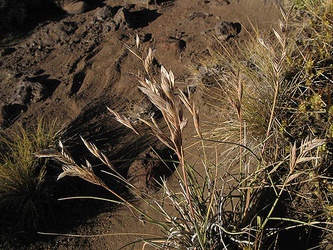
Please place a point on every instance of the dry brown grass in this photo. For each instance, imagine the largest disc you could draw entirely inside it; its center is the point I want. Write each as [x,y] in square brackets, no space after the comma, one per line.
[221,209]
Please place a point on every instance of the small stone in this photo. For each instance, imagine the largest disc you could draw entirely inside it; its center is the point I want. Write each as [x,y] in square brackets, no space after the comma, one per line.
[104,13]
[110,26]
[226,30]
[120,18]
[75,7]
[218,2]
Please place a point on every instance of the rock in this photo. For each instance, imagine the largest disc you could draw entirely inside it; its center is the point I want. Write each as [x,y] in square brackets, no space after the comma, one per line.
[218,2]
[104,13]
[60,33]
[226,30]
[121,18]
[75,7]
[32,89]
[69,27]
[17,103]
[21,94]
[27,92]
[109,26]
[14,13]
[145,37]
[142,3]
[173,45]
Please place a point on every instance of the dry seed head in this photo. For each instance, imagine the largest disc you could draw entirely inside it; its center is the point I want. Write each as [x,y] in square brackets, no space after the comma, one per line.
[183,124]
[68,171]
[282,26]
[168,83]
[158,133]
[85,173]
[145,83]
[149,60]
[70,168]
[185,101]
[305,149]
[309,144]
[166,89]
[176,138]
[154,98]
[172,78]
[137,41]
[179,111]
[281,41]
[240,89]
[97,153]
[170,113]
[293,157]
[65,154]
[195,114]
[46,153]
[168,77]
[292,177]
[123,120]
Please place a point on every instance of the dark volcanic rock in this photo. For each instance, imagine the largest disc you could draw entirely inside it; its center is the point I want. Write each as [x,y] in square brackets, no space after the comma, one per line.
[226,30]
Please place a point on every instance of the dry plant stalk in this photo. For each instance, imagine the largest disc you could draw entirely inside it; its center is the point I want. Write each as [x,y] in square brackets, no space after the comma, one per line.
[163,96]
[70,168]
[123,120]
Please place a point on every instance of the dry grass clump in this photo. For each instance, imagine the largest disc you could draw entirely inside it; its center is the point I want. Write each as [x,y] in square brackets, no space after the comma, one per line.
[24,195]
[245,84]
[284,75]
[168,100]
[216,210]
[273,93]
[266,94]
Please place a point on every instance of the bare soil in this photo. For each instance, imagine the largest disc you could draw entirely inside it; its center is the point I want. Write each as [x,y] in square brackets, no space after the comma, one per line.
[70,68]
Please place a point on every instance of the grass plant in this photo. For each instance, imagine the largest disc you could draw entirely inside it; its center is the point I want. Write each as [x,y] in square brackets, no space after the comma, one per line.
[24,195]
[273,94]
[274,97]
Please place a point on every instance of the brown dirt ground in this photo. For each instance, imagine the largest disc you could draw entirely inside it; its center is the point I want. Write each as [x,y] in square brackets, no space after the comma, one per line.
[80,65]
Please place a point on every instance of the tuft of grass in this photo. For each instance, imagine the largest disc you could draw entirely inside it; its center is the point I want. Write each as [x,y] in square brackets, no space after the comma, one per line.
[274,98]
[246,84]
[273,93]
[24,195]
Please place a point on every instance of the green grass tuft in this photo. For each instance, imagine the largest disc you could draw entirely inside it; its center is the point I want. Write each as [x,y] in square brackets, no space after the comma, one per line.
[23,192]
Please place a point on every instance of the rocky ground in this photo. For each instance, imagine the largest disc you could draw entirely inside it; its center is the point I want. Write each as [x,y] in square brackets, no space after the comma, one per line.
[70,67]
